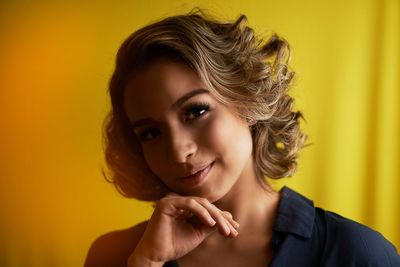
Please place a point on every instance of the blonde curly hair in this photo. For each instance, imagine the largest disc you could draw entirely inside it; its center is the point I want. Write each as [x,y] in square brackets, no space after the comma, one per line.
[237,67]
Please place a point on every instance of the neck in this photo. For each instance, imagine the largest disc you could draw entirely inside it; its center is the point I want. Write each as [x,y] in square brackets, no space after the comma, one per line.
[252,205]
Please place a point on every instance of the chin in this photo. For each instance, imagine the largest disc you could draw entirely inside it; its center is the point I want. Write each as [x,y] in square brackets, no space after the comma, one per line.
[216,195]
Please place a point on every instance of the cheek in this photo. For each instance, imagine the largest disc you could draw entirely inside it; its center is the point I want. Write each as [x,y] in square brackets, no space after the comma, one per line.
[152,156]
[230,139]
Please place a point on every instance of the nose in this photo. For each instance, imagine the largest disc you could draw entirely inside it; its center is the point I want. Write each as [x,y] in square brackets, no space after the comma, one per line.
[181,145]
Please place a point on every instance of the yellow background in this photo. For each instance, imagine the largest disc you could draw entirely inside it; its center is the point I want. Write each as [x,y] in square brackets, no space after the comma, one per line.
[56,58]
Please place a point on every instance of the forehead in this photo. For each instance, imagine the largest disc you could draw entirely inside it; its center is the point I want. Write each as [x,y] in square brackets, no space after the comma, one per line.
[152,90]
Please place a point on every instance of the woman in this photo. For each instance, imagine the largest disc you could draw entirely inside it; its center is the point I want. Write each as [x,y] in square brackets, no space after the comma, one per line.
[200,115]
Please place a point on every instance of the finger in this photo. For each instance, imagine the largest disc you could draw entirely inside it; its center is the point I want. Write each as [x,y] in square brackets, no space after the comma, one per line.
[171,194]
[223,224]
[185,214]
[229,217]
[191,206]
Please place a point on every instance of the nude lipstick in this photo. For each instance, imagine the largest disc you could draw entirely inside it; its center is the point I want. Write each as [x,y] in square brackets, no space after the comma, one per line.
[198,177]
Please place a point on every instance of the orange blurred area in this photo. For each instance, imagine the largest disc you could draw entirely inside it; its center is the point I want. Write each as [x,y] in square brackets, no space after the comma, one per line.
[57,58]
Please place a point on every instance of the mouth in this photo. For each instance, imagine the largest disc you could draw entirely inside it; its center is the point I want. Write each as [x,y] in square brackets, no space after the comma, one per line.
[198,177]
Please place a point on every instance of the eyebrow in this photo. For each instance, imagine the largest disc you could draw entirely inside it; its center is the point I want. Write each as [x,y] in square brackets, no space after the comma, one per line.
[175,106]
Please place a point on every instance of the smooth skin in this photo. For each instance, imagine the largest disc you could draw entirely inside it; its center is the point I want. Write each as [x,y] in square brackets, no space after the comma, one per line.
[179,236]
[182,129]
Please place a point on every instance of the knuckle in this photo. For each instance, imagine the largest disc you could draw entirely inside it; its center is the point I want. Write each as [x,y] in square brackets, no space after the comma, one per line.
[202,200]
[227,214]
[214,207]
[190,201]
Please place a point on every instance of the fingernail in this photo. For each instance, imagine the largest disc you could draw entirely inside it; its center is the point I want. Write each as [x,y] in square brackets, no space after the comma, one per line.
[235,233]
[227,229]
[212,221]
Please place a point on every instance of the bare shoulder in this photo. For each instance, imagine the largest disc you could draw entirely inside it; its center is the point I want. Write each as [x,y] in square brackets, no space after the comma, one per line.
[114,248]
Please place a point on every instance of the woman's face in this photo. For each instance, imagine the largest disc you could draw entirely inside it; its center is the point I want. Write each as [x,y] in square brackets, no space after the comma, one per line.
[192,142]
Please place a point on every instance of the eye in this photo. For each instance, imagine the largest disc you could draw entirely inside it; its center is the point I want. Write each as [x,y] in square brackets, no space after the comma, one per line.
[148,134]
[195,110]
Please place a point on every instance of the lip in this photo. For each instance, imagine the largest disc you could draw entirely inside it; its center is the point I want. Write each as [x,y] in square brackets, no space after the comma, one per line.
[197,177]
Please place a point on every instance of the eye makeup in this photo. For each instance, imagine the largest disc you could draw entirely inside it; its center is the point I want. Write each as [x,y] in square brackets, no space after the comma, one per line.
[195,110]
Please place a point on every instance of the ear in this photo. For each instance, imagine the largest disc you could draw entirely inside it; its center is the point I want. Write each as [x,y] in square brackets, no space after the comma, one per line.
[251,122]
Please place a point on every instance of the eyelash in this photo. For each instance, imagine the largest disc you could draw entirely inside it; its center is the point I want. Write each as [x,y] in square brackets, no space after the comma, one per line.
[196,107]
[195,110]
[143,136]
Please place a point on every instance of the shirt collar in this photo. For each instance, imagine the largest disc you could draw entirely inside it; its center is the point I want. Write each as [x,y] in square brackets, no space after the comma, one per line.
[295,214]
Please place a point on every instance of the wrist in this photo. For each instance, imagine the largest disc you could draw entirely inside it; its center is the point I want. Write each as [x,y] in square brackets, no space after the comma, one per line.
[137,260]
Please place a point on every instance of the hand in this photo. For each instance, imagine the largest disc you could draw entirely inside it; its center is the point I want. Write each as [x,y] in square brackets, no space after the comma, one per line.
[178,225]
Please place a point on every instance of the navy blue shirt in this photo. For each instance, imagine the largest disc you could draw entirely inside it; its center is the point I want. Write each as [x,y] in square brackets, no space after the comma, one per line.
[304,235]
